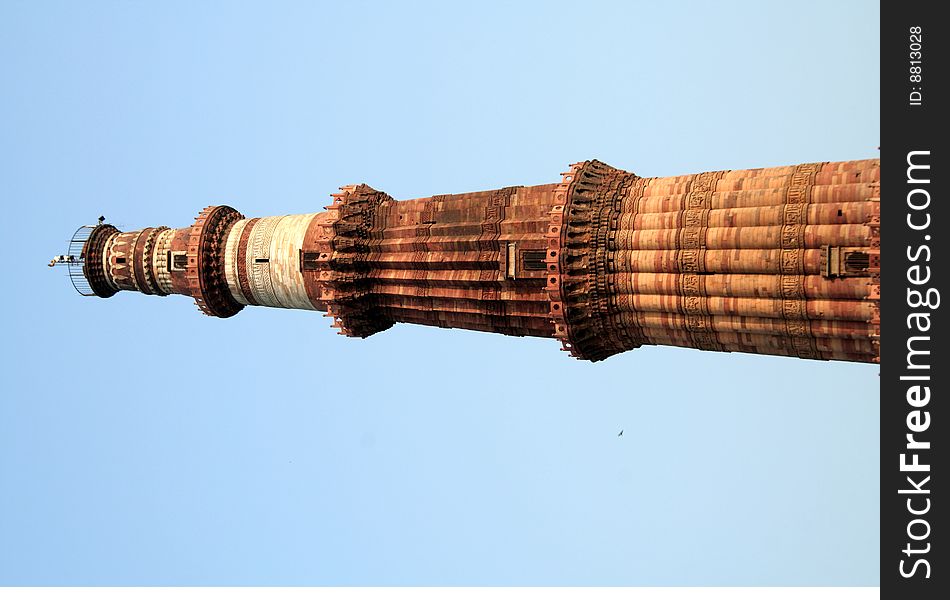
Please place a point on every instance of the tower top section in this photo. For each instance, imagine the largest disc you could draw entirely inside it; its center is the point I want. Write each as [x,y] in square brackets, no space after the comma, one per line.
[156,260]
[85,272]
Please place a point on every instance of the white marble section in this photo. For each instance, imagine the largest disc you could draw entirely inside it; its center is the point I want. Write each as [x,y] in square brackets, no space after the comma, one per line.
[286,278]
[273,261]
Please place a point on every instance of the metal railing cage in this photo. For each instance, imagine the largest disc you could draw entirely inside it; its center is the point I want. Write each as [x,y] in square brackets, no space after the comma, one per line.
[76,260]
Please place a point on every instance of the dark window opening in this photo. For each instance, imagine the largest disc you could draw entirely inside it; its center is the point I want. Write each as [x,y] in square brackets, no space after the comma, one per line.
[533,260]
[856,262]
[308,261]
[844,262]
[177,261]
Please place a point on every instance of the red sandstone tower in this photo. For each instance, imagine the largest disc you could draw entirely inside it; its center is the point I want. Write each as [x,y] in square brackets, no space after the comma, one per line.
[781,261]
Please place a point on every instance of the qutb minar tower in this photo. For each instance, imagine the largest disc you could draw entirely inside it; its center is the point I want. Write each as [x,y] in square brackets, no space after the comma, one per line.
[781,260]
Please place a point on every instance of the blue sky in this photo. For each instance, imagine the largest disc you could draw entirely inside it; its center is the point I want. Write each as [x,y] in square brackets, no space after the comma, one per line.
[143,443]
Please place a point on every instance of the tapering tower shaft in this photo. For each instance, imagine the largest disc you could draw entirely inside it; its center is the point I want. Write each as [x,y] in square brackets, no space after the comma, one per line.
[771,261]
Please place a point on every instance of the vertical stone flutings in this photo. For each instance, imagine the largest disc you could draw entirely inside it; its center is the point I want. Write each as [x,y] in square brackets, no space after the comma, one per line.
[727,261]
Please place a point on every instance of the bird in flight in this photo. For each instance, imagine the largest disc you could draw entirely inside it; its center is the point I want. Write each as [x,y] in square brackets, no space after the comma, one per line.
[620,434]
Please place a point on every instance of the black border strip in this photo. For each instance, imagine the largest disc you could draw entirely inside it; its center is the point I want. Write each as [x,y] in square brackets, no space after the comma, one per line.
[913,338]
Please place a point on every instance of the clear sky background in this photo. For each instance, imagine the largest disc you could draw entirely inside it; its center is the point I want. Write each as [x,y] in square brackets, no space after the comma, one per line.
[144,443]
